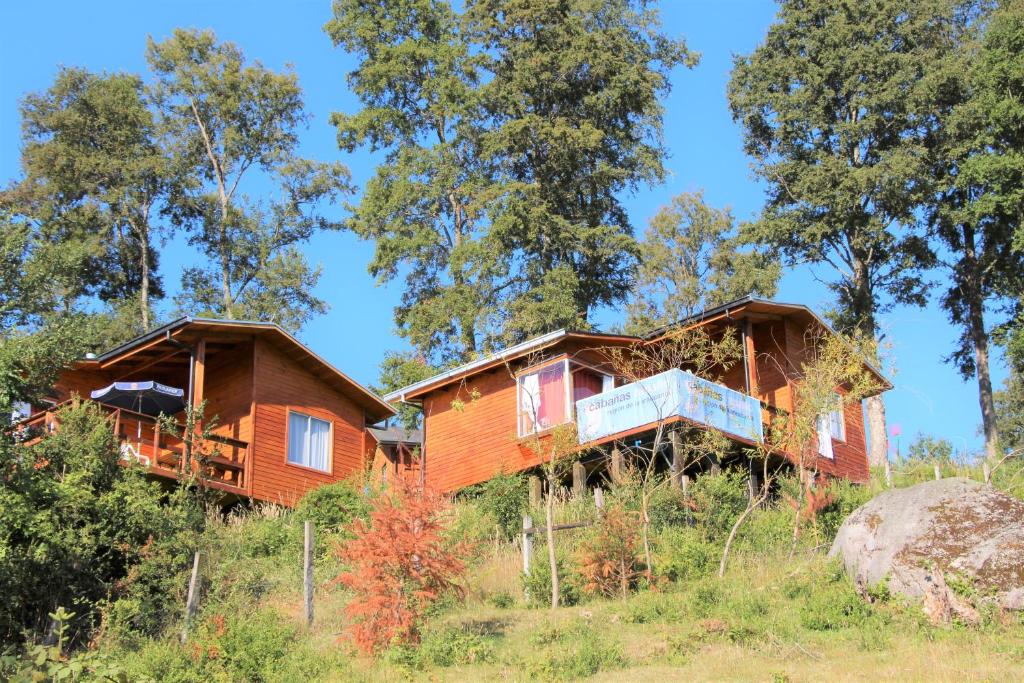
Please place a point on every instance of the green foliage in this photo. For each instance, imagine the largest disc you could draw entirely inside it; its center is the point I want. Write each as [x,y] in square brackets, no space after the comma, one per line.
[835,105]
[225,117]
[580,658]
[718,500]
[537,584]
[685,554]
[509,131]
[690,260]
[506,498]
[444,647]
[1009,403]
[833,604]
[73,524]
[333,507]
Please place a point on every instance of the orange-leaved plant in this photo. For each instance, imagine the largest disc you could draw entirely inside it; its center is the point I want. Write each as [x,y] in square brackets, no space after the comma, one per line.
[399,563]
[609,558]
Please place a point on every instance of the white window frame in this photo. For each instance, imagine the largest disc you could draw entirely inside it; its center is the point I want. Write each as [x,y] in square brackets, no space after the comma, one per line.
[521,415]
[330,442]
[837,418]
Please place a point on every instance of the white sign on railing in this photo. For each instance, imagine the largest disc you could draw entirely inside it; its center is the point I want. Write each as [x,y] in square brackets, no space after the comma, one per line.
[673,393]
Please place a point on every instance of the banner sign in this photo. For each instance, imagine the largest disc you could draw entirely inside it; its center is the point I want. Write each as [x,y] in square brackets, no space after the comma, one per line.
[666,395]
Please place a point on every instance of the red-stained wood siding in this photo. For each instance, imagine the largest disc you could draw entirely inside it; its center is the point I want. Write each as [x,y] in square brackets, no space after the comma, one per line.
[228,392]
[282,385]
[472,444]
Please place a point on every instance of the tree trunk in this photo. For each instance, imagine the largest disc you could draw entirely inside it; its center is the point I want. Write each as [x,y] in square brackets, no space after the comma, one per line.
[549,515]
[973,293]
[144,286]
[864,314]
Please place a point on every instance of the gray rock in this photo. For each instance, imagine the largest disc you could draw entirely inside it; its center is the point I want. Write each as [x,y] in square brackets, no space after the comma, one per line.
[957,526]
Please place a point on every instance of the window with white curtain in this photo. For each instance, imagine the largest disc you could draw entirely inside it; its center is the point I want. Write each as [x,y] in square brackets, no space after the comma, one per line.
[309,441]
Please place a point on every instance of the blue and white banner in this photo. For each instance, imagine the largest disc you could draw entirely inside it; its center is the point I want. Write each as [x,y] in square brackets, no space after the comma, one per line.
[666,395]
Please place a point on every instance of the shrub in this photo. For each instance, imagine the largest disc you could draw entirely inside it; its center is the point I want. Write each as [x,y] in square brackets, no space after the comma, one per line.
[506,498]
[608,556]
[399,565]
[683,554]
[585,657]
[669,507]
[70,510]
[333,507]
[537,584]
[717,501]
[832,603]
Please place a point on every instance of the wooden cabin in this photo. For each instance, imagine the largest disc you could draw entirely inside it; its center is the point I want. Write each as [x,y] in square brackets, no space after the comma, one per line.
[476,421]
[281,419]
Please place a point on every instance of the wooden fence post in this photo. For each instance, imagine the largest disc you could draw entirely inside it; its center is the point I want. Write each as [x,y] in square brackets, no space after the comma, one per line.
[888,473]
[599,499]
[536,493]
[307,572]
[938,471]
[616,464]
[677,459]
[527,543]
[579,479]
[193,597]
[987,472]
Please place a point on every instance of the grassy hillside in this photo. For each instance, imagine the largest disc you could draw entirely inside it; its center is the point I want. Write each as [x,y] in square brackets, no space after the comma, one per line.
[773,617]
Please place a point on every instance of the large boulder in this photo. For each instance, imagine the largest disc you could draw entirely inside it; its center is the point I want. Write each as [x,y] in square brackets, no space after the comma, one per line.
[920,536]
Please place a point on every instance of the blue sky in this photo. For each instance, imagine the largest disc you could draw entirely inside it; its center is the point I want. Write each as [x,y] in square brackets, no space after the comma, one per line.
[705,146]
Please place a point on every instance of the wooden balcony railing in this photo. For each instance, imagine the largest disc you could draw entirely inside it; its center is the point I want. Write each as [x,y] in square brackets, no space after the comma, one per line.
[220,461]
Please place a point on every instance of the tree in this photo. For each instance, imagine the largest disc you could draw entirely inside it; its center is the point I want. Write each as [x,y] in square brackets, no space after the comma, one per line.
[979,160]
[227,117]
[690,260]
[836,106]
[507,131]
[96,174]
[399,563]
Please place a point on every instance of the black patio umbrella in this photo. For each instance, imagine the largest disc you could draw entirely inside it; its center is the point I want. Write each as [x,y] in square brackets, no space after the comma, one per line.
[148,398]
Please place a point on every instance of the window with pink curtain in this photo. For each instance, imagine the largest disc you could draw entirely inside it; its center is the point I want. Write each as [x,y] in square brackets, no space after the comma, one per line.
[542,398]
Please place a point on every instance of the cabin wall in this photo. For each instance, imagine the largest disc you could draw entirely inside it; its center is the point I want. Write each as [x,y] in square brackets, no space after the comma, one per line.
[80,381]
[228,392]
[282,384]
[471,445]
[772,364]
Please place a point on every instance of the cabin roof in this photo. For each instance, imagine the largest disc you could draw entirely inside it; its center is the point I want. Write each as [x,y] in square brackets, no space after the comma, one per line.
[395,434]
[376,409]
[497,358]
[749,304]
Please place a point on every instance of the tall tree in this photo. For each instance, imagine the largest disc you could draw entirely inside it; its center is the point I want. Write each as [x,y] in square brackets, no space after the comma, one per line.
[228,117]
[836,106]
[574,94]
[690,259]
[496,198]
[96,175]
[979,158]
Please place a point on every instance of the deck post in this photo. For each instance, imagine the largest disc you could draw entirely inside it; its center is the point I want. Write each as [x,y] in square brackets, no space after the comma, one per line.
[535,490]
[527,542]
[677,459]
[307,572]
[579,479]
[616,464]
[716,466]
[193,597]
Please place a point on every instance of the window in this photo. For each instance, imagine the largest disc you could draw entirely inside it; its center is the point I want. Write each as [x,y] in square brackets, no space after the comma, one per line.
[543,398]
[836,422]
[831,426]
[309,442]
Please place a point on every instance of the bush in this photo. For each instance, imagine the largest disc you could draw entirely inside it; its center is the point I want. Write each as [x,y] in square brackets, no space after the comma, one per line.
[608,556]
[584,657]
[400,564]
[718,500]
[506,498]
[70,510]
[333,507]
[537,584]
[683,554]
[832,603]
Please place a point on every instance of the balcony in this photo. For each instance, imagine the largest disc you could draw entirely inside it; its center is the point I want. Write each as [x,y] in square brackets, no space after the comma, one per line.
[222,464]
[669,396]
